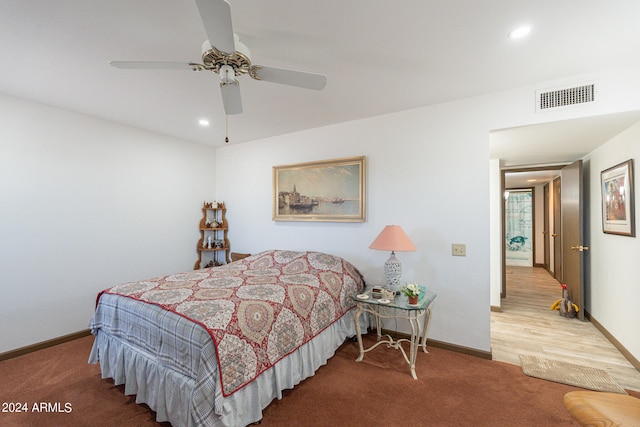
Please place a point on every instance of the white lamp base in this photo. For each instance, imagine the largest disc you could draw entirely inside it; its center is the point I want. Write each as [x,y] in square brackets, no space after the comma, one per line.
[393,273]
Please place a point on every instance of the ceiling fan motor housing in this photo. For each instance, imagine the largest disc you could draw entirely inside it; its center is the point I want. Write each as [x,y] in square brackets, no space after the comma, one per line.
[214,60]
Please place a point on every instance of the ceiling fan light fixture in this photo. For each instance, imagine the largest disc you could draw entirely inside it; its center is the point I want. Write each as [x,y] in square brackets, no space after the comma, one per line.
[227,75]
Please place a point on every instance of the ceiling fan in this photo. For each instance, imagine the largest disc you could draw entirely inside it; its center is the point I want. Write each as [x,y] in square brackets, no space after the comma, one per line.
[224,54]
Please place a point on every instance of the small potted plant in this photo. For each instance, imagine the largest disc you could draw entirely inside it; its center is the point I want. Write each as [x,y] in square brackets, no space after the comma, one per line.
[412,291]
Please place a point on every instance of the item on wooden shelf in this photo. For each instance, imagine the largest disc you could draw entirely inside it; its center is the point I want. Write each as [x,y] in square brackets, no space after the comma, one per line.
[212,263]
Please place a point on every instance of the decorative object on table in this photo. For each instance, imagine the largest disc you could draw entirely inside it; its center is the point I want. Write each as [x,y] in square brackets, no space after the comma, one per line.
[328,190]
[566,307]
[379,292]
[412,291]
[392,238]
[618,216]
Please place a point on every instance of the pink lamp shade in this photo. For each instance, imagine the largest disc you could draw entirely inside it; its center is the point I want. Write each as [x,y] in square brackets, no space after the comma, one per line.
[393,238]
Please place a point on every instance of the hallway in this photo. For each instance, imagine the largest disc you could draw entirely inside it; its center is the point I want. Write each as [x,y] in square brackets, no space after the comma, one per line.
[526,325]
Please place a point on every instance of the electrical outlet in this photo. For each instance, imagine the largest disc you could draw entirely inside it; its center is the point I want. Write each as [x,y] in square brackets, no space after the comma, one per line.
[458,249]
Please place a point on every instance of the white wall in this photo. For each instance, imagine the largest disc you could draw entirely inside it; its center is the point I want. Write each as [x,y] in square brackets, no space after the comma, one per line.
[86,204]
[615,289]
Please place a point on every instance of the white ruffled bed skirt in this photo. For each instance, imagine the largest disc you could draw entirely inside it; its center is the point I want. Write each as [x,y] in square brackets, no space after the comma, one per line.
[170,393]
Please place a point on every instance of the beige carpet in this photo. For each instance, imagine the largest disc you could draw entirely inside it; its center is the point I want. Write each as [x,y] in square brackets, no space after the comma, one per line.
[570,374]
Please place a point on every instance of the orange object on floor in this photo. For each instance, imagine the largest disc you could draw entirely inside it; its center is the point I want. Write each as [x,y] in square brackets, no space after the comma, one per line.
[595,408]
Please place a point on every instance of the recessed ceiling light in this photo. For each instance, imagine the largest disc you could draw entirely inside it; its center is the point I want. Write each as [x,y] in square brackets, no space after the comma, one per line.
[203,122]
[520,32]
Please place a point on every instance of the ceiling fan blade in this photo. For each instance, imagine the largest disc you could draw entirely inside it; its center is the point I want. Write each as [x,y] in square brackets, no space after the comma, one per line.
[231,99]
[289,77]
[154,65]
[216,18]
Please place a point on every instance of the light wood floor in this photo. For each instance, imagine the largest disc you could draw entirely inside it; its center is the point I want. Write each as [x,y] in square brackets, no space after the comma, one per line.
[528,326]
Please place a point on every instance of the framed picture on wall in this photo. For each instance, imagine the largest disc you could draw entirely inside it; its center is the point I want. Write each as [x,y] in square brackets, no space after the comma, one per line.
[328,190]
[618,216]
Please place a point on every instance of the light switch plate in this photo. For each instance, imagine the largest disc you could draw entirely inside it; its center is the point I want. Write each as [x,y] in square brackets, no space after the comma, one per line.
[458,249]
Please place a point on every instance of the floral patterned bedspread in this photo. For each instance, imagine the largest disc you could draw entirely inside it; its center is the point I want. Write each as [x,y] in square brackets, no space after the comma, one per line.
[259,309]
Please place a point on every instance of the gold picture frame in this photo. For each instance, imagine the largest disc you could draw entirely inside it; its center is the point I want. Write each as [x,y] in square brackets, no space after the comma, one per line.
[328,190]
[618,216]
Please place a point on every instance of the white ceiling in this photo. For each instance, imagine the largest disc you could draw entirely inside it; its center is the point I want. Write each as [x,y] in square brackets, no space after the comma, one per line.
[379,57]
[554,143]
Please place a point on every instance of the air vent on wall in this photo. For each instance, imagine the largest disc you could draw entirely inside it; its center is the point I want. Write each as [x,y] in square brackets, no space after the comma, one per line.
[564,97]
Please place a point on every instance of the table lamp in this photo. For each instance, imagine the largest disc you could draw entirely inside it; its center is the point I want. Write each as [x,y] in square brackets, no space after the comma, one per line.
[392,238]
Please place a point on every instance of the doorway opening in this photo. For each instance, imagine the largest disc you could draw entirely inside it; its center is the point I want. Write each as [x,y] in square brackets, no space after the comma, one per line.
[528,221]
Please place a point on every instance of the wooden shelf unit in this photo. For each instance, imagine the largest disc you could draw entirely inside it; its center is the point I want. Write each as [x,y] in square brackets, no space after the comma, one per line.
[213,246]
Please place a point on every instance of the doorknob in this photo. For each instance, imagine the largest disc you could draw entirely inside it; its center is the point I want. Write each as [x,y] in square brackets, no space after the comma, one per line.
[554,235]
[580,248]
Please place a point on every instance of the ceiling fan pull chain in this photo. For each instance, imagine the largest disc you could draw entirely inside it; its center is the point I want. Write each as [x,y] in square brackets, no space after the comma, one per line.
[226,124]
[226,116]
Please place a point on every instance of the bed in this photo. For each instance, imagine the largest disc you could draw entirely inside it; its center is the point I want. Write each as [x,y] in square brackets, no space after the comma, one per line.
[214,347]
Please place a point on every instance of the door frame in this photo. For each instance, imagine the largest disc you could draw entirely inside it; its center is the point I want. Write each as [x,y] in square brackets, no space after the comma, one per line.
[556,234]
[545,228]
[503,254]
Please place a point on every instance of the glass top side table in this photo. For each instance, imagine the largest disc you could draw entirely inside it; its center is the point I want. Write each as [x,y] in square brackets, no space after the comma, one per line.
[418,315]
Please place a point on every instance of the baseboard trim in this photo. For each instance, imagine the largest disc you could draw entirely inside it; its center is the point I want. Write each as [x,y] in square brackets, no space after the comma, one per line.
[635,362]
[443,345]
[44,344]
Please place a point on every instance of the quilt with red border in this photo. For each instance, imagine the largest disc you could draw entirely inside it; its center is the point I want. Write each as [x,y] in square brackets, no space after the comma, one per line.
[259,309]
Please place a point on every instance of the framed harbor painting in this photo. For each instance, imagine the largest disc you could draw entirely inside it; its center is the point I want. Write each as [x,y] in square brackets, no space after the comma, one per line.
[328,190]
[618,216]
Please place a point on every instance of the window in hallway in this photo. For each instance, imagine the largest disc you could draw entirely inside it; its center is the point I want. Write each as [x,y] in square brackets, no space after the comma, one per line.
[519,227]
